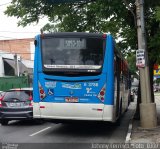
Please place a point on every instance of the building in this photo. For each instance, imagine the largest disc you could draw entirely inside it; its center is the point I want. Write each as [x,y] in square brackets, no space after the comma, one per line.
[22,47]
[16,57]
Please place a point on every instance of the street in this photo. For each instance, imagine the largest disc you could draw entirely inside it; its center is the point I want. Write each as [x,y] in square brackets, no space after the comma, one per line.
[25,133]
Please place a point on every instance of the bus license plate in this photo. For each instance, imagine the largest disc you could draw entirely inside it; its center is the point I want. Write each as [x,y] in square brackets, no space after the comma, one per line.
[71,99]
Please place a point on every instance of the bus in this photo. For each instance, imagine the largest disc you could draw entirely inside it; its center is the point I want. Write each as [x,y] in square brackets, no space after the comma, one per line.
[79,76]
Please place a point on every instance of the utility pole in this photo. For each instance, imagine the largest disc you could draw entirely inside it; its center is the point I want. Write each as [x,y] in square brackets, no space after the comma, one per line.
[148,113]
[16,65]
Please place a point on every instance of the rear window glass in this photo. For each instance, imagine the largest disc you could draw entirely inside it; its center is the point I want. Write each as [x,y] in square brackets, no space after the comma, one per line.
[18,95]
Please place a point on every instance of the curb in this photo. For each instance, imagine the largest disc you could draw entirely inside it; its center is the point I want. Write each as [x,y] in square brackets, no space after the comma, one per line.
[128,137]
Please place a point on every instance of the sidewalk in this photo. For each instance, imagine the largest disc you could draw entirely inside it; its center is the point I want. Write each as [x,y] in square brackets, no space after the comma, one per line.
[139,135]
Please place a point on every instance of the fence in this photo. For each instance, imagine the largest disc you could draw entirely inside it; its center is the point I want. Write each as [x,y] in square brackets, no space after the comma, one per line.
[13,82]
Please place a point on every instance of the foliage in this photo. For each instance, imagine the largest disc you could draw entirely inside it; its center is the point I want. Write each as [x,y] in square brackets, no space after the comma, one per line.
[131,58]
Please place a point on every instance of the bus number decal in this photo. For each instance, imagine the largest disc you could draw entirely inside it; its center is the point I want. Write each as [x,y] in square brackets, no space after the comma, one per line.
[91,84]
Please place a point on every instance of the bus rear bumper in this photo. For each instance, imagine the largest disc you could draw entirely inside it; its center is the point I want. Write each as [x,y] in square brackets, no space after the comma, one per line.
[74,111]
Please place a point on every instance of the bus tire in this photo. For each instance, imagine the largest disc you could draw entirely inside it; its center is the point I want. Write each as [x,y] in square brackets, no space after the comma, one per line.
[118,122]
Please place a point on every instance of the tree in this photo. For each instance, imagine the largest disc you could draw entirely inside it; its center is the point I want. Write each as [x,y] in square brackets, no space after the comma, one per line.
[131,58]
[95,16]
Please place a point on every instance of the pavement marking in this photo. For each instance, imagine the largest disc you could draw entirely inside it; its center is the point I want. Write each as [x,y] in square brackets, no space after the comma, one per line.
[128,137]
[39,131]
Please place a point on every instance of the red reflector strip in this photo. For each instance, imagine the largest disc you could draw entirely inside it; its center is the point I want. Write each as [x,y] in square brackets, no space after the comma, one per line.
[42,107]
[99,110]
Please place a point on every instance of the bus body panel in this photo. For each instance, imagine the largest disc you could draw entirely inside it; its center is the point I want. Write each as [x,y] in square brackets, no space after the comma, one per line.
[66,111]
[110,72]
[85,90]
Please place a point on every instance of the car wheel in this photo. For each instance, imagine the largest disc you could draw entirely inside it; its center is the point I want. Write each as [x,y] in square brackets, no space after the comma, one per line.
[4,122]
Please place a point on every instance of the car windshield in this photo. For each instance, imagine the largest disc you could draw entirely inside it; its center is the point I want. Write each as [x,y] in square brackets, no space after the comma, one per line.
[17,95]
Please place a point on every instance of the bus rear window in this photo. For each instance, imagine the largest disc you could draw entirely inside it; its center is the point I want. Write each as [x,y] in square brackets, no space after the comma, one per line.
[73,53]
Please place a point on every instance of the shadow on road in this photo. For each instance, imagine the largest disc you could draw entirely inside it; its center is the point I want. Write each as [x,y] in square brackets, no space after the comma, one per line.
[25,122]
[84,129]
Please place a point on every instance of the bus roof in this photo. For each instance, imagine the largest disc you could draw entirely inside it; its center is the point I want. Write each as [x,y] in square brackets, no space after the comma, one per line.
[73,33]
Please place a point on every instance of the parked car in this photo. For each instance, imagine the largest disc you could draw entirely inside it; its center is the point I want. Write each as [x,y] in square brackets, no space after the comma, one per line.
[16,104]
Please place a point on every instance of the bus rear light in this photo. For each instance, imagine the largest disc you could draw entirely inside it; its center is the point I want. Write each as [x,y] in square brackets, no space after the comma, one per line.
[101,94]
[42,96]
[102,99]
[41,92]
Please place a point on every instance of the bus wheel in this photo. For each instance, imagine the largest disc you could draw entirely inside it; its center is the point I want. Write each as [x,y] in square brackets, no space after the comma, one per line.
[118,122]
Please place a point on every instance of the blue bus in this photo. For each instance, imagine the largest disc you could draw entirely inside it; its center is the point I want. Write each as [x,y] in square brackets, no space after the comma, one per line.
[79,76]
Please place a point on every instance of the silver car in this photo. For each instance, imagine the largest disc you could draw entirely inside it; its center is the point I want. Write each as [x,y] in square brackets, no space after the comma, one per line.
[16,104]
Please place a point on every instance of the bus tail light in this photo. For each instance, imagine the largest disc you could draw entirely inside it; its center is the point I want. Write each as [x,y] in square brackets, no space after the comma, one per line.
[101,94]
[41,92]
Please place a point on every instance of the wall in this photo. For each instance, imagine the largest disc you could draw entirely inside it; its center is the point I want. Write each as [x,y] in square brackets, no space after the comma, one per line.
[7,83]
[22,47]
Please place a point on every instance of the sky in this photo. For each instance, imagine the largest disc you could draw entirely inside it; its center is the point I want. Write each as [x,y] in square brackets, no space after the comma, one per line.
[9,28]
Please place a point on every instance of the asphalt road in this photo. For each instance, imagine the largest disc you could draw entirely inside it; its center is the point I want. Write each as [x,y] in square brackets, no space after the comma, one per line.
[28,134]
